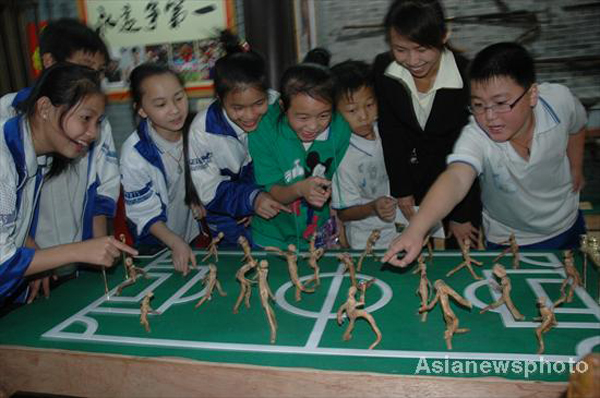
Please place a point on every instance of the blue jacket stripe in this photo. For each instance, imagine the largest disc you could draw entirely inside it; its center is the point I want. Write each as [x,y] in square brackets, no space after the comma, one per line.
[13,270]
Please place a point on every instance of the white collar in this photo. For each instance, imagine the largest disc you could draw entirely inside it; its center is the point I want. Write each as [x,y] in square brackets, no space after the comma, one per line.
[545,116]
[367,146]
[448,75]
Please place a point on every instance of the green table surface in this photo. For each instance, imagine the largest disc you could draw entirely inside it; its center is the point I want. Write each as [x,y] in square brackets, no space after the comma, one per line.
[79,317]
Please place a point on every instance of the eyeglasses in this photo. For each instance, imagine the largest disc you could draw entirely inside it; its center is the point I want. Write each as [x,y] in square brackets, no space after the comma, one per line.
[479,109]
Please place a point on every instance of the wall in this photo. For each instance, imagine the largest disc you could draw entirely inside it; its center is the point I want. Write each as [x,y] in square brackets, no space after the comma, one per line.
[567,28]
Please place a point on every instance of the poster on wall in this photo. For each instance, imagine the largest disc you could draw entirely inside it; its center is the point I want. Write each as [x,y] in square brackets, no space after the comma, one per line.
[182,34]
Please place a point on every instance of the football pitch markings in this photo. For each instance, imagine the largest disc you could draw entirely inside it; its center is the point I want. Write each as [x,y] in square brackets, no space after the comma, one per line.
[161,269]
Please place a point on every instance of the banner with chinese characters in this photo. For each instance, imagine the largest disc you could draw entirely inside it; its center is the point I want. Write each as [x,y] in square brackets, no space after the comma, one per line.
[182,34]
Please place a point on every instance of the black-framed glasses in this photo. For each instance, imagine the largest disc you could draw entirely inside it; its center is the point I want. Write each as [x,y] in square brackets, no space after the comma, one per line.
[480,109]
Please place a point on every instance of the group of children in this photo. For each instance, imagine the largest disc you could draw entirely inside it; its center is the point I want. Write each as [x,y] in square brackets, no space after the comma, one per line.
[351,144]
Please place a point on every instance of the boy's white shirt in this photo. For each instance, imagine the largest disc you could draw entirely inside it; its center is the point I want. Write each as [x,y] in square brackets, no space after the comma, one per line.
[63,197]
[138,173]
[352,185]
[533,199]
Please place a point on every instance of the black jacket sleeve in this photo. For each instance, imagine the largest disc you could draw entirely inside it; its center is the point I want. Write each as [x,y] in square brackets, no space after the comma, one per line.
[396,151]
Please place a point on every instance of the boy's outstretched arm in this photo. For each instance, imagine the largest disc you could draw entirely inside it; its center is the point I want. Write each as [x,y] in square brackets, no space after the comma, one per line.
[449,189]
[575,149]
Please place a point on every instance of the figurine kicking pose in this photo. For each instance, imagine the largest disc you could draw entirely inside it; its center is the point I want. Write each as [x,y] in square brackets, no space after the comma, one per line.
[369,249]
[266,294]
[133,273]
[466,253]
[513,248]
[423,290]
[314,256]
[351,308]
[210,281]
[572,275]
[245,284]
[213,249]
[349,266]
[146,309]
[292,263]
[500,272]
[548,320]
[441,295]
[242,241]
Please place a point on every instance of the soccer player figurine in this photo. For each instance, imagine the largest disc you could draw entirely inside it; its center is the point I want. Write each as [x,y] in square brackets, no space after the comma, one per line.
[583,246]
[371,240]
[466,252]
[245,284]
[351,307]
[292,263]
[146,309]
[314,256]
[548,320]
[266,294]
[500,272]
[572,275]
[363,286]
[210,281]
[427,242]
[424,287]
[213,247]
[133,273]
[349,266]
[441,295]
[243,242]
[513,248]
[124,255]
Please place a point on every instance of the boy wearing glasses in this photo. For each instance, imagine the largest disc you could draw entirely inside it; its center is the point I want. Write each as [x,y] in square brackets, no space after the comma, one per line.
[525,142]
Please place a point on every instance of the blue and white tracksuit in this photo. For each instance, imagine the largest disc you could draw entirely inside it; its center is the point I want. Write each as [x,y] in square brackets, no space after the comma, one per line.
[222,172]
[151,194]
[89,187]
[21,176]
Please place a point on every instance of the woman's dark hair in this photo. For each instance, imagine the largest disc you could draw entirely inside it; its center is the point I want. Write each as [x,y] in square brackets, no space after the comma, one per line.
[191,195]
[238,68]
[65,85]
[503,59]
[350,76]
[421,21]
[311,79]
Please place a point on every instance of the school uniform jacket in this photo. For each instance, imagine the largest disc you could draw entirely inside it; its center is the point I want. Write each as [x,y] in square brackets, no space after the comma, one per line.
[61,195]
[415,157]
[145,186]
[222,172]
[21,176]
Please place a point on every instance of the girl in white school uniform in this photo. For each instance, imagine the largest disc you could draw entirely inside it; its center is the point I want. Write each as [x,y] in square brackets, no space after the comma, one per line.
[152,165]
[221,168]
[56,124]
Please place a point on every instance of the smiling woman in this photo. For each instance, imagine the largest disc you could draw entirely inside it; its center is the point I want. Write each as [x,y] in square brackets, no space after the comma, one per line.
[65,114]
[59,120]
[423,98]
